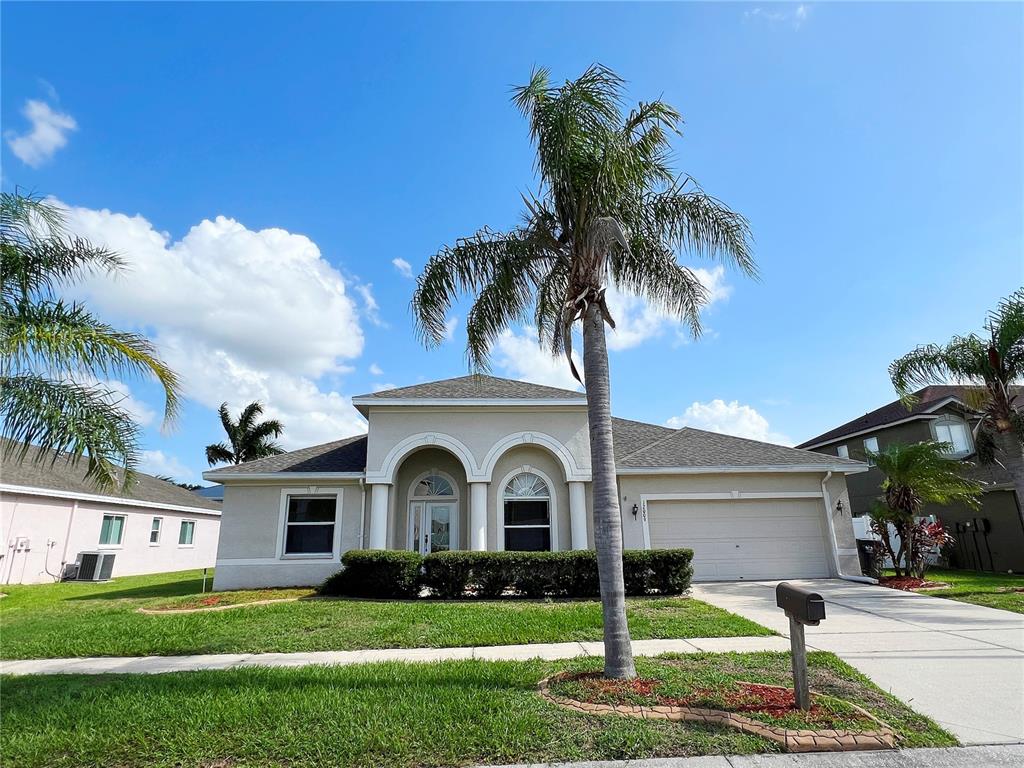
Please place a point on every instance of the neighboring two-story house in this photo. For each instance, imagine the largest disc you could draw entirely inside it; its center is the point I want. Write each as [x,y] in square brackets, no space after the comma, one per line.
[989,539]
[483,463]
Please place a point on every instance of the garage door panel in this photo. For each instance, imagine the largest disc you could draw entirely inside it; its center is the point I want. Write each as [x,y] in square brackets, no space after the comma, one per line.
[744,539]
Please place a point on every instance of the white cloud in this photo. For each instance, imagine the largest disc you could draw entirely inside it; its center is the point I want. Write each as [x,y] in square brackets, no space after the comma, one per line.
[160,463]
[119,394]
[404,267]
[519,356]
[376,370]
[48,133]
[370,306]
[450,325]
[636,320]
[780,14]
[241,315]
[728,419]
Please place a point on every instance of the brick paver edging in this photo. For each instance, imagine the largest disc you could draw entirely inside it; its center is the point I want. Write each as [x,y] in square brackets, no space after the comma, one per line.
[791,740]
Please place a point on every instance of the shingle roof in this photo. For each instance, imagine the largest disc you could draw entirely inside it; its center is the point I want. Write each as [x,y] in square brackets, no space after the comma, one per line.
[348,455]
[629,436]
[67,475]
[689,447]
[927,399]
[477,387]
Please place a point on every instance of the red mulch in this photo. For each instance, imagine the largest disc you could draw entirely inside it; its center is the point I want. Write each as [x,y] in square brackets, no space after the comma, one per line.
[907,583]
[212,600]
[747,697]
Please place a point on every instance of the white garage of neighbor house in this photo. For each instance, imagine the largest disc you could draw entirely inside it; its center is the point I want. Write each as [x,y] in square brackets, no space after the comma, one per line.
[485,463]
[50,516]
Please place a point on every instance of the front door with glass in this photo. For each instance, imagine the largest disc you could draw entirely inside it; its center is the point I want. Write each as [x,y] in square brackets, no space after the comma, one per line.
[431,525]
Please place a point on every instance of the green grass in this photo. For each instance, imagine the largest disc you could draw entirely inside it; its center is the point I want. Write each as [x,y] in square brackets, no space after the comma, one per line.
[449,713]
[994,590]
[72,619]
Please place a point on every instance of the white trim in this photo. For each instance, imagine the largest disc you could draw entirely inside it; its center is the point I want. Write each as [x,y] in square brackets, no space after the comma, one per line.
[950,419]
[311,490]
[841,438]
[468,401]
[159,531]
[573,472]
[389,466]
[552,506]
[217,476]
[120,539]
[453,500]
[195,525]
[848,469]
[33,491]
[722,496]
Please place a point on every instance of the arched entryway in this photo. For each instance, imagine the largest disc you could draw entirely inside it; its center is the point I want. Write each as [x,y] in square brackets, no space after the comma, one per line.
[433,513]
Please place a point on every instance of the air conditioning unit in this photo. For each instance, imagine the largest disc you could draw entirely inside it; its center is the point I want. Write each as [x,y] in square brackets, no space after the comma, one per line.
[94,566]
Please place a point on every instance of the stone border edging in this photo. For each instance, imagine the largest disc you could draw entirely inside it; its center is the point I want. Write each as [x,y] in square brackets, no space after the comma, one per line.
[205,608]
[826,740]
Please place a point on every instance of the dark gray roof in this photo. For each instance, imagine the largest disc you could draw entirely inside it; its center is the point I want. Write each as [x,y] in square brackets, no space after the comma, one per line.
[478,387]
[38,470]
[689,447]
[348,455]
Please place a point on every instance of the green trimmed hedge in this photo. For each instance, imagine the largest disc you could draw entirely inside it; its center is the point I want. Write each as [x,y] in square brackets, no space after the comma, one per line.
[448,575]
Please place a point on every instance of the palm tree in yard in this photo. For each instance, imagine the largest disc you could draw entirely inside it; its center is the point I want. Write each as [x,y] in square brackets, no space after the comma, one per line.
[55,354]
[610,211]
[248,438]
[993,365]
[915,475]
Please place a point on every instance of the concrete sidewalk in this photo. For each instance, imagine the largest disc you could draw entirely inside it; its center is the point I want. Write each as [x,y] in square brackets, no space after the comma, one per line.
[151,665]
[1002,756]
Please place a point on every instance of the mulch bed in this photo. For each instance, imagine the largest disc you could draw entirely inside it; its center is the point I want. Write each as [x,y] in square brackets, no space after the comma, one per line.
[909,583]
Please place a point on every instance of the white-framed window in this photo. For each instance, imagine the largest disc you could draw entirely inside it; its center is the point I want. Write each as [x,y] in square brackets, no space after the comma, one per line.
[186,533]
[843,452]
[955,434]
[309,525]
[433,484]
[527,513]
[154,531]
[870,446]
[112,531]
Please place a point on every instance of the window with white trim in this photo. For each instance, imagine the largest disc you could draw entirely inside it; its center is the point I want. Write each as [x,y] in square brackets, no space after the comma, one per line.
[112,531]
[527,513]
[954,433]
[843,452]
[309,525]
[186,533]
[870,446]
[154,530]
[433,485]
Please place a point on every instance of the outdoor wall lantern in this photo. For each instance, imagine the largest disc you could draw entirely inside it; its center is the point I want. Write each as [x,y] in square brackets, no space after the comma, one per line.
[839,506]
[635,510]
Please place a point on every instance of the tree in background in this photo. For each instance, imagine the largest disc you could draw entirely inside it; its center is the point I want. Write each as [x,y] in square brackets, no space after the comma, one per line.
[610,211]
[249,438]
[993,365]
[916,475]
[55,354]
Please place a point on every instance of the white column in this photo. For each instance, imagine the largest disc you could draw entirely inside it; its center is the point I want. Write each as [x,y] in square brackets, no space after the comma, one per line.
[578,514]
[378,516]
[478,516]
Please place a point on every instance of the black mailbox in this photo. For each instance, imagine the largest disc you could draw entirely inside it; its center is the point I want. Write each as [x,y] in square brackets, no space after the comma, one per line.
[799,604]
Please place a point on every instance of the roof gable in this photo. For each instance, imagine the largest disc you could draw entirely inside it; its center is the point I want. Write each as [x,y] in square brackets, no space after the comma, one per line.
[348,455]
[476,387]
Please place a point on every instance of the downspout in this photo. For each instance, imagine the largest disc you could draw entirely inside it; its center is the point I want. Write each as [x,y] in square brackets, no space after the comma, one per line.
[832,534]
[67,537]
[362,510]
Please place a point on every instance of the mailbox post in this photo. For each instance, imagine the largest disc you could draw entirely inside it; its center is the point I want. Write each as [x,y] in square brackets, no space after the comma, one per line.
[803,608]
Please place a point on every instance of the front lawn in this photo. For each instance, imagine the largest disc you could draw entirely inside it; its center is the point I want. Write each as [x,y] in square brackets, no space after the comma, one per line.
[448,713]
[82,619]
[994,590]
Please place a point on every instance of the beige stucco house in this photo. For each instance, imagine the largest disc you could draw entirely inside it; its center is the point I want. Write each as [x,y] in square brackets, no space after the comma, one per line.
[484,463]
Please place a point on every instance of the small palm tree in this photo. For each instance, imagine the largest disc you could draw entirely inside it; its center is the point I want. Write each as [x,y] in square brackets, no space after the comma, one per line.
[993,365]
[249,439]
[54,354]
[610,211]
[916,475]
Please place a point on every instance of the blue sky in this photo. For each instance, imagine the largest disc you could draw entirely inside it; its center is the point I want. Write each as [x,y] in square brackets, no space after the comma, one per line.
[875,148]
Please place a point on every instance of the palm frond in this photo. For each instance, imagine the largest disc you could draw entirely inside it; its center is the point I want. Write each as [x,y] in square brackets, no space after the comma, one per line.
[964,359]
[219,453]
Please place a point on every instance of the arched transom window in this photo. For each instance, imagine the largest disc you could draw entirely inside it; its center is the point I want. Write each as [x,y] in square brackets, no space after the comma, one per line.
[434,485]
[527,510]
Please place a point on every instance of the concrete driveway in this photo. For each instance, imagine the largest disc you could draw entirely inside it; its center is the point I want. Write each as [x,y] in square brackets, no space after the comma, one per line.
[960,664]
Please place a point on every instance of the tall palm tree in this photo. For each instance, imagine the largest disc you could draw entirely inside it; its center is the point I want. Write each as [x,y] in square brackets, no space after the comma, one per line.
[54,354]
[993,364]
[915,475]
[610,211]
[249,439]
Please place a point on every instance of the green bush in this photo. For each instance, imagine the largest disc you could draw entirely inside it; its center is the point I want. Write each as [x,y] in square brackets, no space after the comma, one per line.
[447,573]
[670,570]
[376,573]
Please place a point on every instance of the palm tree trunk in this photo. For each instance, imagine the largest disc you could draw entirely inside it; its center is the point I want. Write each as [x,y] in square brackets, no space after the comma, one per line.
[618,653]
[1011,456]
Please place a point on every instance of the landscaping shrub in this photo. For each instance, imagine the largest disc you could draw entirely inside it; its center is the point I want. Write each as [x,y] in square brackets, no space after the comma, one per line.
[671,570]
[376,573]
[447,573]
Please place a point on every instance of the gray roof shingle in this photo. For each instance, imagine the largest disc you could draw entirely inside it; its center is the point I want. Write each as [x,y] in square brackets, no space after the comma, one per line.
[477,387]
[629,436]
[65,474]
[348,455]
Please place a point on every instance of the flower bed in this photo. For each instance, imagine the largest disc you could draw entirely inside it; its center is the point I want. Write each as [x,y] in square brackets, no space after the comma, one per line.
[909,583]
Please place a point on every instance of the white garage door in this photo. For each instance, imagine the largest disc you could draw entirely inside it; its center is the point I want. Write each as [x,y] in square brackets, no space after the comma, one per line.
[744,539]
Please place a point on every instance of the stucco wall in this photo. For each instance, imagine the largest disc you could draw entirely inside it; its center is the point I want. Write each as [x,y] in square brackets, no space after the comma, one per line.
[529,457]
[251,532]
[416,464]
[43,519]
